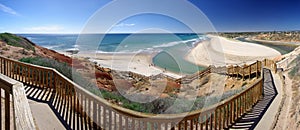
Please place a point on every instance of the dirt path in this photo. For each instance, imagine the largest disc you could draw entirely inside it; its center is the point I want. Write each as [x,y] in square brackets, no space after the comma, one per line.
[283,119]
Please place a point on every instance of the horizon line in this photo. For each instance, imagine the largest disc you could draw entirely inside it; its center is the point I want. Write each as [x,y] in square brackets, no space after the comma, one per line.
[77,33]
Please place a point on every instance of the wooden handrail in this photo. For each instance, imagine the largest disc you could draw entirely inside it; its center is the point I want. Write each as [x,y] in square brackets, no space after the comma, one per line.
[246,70]
[22,116]
[99,113]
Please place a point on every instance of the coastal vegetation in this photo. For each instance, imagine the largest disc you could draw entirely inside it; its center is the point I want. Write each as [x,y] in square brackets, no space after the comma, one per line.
[63,68]
[282,41]
[17,41]
[278,36]
[295,71]
[281,36]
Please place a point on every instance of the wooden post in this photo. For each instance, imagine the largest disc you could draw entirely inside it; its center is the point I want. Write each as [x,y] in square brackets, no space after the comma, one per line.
[7,111]
[245,66]
[216,119]
[1,107]
[227,115]
[265,62]
[1,66]
[206,121]
[250,72]
[224,117]
[220,119]
[275,67]
[257,69]
[54,80]
[202,122]
[212,116]
[4,68]
[243,72]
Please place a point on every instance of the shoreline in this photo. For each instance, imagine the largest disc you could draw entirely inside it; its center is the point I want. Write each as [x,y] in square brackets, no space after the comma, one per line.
[140,63]
[274,42]
[219,51]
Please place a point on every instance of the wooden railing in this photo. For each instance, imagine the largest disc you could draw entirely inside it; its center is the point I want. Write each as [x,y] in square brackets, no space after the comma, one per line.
[83,110]
[234,71]
[17,114]
[245,71]
[270,64]
[199,74]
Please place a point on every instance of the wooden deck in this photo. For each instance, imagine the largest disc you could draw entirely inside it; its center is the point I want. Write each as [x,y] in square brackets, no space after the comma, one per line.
[250,120]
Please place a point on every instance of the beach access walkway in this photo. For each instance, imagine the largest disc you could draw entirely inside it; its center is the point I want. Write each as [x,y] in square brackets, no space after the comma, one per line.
[45,117]
[260,117]
[263,114]
[59,103]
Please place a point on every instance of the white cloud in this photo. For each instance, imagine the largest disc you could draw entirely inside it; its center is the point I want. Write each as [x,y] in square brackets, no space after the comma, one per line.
[52,28]
[7,9]
[124,25]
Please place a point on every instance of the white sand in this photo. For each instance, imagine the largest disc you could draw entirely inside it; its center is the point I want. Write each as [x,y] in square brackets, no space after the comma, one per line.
[217,51]
[139,63]
[220,51]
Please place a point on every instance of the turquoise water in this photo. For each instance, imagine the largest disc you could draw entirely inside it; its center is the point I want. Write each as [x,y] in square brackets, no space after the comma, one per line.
[282,48]
[172,59]
[172,48]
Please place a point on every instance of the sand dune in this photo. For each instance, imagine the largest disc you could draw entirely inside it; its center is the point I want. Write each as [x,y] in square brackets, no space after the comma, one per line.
[220,51]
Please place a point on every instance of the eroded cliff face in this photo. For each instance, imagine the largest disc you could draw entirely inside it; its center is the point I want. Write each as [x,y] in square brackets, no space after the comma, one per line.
[17,47]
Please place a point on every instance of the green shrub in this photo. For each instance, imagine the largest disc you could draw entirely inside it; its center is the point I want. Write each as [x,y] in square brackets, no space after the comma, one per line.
[63,68]
[295,70]
[17,41]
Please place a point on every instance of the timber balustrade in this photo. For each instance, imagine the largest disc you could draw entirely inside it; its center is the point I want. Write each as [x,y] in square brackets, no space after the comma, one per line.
[255,69]
[199,74]
[270,64]
[16,112]
[245,71]
[83,110]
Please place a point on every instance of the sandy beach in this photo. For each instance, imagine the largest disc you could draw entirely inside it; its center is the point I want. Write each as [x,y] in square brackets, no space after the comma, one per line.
[220,51]
[217,51]
[140,63]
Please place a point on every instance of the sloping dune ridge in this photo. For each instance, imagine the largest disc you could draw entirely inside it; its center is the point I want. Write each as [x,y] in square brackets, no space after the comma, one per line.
[219,51]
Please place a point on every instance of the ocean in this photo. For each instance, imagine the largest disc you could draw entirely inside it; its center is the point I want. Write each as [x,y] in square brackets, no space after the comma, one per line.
[171,48]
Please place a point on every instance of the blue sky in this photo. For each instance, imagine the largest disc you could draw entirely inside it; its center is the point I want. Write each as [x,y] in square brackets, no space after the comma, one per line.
[72,16]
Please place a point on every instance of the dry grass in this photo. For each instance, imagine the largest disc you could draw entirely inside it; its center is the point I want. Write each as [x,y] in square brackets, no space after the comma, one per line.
[295,104]
[14,52]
